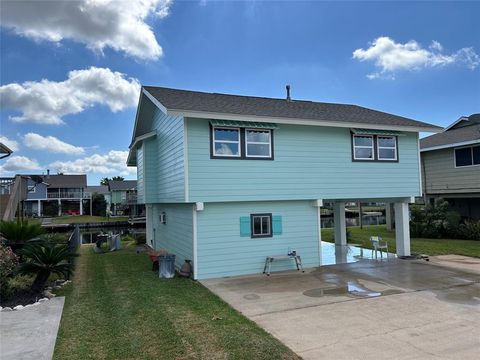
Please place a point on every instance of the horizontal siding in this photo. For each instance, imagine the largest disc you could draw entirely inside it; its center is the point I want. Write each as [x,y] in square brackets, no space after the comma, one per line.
[441,176]
[177,234]
[140,177]
[310,162]
[150,179]
[223,252]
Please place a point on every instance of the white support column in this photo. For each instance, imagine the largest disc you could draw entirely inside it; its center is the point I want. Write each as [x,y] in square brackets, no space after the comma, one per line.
[59,207]
[388,216]
[81,207]
[340,226]
[39,207]
[402,229]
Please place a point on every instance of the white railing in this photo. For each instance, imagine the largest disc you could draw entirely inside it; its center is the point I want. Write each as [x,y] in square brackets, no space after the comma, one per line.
[69,195]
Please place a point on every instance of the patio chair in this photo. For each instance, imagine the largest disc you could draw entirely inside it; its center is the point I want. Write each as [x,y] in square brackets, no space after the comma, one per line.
[379,245]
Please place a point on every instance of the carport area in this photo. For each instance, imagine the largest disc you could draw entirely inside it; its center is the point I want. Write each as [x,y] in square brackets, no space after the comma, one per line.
[390,309]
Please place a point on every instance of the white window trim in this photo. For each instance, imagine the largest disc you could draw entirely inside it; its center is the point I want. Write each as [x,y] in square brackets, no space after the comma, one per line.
[226,141]
[471,154]
[31,189]
[269,222]
[363,147]
[394,147]
[258,143]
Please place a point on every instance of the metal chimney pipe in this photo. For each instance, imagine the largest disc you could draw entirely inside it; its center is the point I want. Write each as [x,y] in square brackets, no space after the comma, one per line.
[288,93]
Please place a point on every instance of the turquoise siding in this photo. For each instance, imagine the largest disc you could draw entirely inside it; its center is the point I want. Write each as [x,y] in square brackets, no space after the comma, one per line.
[169,158]
[177,234]
[150,170]
[222,251]
[140,178]
[162,173]
[310,163]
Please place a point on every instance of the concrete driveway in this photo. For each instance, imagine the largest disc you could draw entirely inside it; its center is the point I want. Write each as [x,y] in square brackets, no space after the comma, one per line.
[395,309]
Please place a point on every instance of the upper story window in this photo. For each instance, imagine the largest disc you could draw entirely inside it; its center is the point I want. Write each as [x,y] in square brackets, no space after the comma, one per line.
[241,143]
[363,148]
[374,148]
[387,147]
[226,142]
[467,156]
[258,143]
[31,188]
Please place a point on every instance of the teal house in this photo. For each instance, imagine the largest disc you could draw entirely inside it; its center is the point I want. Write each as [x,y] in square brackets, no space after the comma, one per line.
[228,180]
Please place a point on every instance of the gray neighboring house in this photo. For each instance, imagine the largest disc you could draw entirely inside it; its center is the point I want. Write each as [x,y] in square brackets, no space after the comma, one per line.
[451,166]
[124,198]
[66,192]
[101,190]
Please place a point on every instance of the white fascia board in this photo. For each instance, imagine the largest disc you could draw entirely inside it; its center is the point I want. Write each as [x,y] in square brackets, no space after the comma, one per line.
[143,137]
[293,121]
[439,147]
[136,116]
[133,146]
[154,101]
[463,118]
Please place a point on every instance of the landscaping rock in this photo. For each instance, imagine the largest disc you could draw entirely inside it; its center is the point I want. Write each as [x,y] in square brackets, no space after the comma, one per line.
[7,309]
[43,300]
[48,294]
[18,307]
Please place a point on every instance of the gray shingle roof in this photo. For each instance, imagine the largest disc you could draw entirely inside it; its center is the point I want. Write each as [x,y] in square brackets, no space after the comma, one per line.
[99,189]
[65,181]
[453,136]
[184,100]
[119,185]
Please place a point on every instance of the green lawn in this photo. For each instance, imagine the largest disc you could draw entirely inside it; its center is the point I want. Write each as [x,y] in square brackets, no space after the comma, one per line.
[86,219]
[117,308]
[418,245]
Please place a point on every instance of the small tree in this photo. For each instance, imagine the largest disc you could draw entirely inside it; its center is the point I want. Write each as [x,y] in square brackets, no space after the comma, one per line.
[43,259]
[99,205]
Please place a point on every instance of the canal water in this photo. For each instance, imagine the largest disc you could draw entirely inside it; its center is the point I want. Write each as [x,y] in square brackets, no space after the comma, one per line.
[89,235]
[327,221]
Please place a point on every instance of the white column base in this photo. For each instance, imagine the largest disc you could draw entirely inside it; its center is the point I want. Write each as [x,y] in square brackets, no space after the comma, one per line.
[340,226]
[402,229]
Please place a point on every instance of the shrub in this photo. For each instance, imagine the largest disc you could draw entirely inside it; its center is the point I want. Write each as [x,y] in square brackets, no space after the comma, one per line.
[44,259]
[434,221]
[470,230]
[17,231]
[8,265]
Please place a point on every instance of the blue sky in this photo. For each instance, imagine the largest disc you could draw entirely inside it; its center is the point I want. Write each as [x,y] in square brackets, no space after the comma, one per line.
[416,59]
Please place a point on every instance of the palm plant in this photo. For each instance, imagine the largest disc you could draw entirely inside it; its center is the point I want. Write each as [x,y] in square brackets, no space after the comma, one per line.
[19,232]
[43,259]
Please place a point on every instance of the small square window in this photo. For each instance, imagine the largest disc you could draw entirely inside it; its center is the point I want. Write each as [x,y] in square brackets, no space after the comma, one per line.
[261,225]
[463,157]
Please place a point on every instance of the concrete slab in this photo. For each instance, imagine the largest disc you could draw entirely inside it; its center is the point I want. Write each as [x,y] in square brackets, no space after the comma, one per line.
[30,333]
[465,263]
[390,310]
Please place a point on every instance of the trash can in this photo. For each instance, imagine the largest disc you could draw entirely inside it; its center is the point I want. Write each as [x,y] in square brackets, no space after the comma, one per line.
[166,266]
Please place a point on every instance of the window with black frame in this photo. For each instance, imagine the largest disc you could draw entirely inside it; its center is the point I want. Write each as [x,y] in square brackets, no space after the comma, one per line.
[467,156]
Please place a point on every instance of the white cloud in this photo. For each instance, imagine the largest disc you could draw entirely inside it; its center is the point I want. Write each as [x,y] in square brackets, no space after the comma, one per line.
[112,163]
[391,57]
[98,24]
[51,144]
[19,163]
[11,144]
[45,102]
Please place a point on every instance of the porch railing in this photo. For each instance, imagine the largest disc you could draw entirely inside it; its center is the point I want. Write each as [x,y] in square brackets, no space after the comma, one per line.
[69,195]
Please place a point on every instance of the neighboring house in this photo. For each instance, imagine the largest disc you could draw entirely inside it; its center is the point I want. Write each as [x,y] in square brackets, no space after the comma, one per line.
[451,166]
[101,190]
[228,180]
[56,195]
[124,197]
